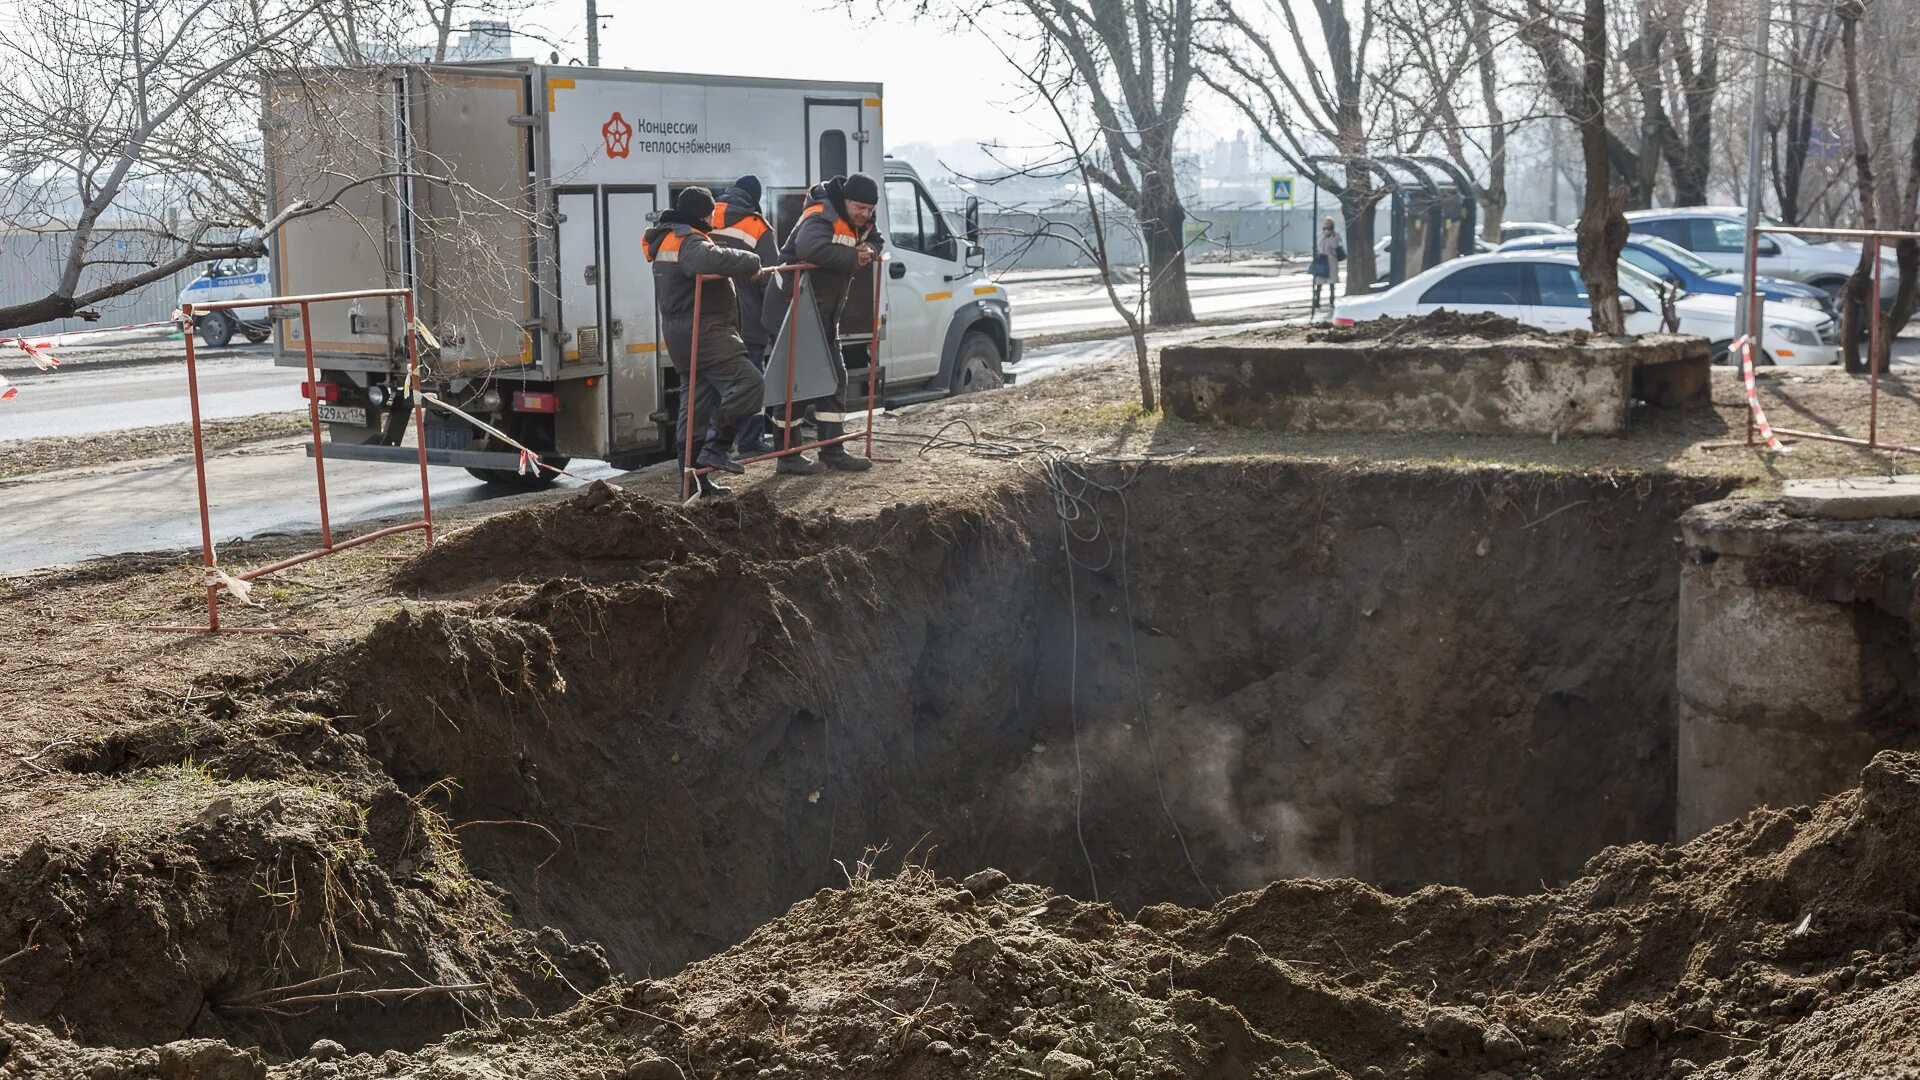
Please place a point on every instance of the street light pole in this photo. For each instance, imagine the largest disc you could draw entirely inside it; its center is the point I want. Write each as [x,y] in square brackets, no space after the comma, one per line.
[593,33]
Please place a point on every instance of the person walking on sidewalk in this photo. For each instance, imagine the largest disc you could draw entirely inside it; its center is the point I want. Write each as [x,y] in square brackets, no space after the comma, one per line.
[1325,268]
[730,388]
[837,233]
[739,224]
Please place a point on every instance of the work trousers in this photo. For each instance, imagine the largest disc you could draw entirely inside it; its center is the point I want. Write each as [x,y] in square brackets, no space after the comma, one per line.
[730,387]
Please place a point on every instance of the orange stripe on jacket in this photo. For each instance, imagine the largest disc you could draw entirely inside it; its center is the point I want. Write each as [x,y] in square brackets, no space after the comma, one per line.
[668,251]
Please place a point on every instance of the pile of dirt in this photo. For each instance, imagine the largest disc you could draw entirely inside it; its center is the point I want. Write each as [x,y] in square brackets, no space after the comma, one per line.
[1440,327]
[1779,946]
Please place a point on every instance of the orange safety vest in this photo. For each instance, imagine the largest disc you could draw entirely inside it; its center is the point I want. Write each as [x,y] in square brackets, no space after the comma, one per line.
[669,250]
[747,228]
[842,232]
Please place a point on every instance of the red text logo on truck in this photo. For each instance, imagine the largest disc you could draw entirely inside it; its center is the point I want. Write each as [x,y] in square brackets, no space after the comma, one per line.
[619,136]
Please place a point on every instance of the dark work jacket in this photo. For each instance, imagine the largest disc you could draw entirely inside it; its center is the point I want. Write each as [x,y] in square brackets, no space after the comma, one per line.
[826,238]
[680,251]
[738,224]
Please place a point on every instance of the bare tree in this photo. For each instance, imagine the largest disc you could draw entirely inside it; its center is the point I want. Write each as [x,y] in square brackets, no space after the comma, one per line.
[1812,28]
[1132,63]
[1579,83]
[1452,89]
[1298,74]
[1070,156]
[129,121]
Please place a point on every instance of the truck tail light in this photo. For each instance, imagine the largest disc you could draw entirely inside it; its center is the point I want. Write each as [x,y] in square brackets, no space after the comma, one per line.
[535,401]
[320,391]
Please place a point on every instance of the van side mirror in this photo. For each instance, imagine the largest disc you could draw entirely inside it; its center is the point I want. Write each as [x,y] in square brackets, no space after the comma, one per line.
[1628,305]
[973,220]
[1768,246]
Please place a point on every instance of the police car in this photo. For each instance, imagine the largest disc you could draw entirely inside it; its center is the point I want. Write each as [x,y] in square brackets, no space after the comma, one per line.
[231,279]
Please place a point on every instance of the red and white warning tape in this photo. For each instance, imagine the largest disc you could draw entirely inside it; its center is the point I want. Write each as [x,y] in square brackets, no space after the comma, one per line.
[37,347]
[1745,345]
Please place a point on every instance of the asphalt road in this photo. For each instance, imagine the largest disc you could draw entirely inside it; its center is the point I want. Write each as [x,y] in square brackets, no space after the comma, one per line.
[268,488]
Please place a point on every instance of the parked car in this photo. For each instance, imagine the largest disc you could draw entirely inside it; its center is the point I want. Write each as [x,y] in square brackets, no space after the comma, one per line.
[1718,234]
[1544,289]
[1667,260]
[1521,230]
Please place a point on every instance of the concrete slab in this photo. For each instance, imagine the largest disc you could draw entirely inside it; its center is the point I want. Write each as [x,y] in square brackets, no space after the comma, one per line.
[1443,373]
[1853,497]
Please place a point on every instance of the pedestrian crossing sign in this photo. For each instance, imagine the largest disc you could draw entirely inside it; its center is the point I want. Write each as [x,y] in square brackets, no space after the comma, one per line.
[1282,194]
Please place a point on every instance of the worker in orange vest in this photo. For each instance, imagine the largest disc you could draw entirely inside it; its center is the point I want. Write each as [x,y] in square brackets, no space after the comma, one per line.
[730,388]
[839,235]
[739,224]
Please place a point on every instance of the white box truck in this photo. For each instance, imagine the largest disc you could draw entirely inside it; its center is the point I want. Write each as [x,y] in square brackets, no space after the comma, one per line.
[512,197]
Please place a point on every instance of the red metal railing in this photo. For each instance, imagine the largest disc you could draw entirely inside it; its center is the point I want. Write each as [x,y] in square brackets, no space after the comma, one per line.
[327,545]
[689,471]
[1875,330]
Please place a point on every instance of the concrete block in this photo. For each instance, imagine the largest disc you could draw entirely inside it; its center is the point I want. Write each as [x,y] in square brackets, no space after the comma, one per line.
[1427,380]
[1853,497]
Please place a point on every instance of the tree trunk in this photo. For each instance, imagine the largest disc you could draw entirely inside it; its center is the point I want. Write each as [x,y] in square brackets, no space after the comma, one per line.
[1906,297]
[1603,225]
[1493,212]
[1855,316]
[1164,222]
[1357,201]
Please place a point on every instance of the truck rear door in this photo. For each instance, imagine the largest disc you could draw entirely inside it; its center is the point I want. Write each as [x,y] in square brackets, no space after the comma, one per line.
[634,352]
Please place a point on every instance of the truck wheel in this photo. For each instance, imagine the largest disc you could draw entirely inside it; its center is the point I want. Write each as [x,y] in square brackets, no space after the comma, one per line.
[514,480]
[216,328]
[257,336]
[977,367]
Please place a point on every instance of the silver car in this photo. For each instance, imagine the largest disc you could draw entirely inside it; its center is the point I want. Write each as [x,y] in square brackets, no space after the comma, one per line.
[1718,234]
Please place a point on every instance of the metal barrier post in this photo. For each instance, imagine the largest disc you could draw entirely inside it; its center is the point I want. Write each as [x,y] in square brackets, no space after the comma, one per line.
[873,349]
[328,547]
[200,472]
[313,415]
[1874,331]
[688,467]
[793,359]
[419,410]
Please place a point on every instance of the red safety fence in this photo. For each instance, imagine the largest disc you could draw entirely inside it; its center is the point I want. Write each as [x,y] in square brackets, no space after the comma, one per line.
[689,471]
[1756,419]
[219,579]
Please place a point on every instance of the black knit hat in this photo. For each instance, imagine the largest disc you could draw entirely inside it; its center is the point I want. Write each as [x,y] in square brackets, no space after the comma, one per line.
[860,188]
[750,185]
[695,202]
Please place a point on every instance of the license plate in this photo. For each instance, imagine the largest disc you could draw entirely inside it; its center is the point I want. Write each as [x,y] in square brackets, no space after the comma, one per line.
[344,414]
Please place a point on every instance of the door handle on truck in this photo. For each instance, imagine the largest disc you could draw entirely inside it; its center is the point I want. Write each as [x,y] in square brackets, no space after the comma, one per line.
[897,270]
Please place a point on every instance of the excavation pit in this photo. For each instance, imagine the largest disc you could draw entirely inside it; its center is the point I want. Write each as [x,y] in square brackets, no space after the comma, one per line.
[1406,676]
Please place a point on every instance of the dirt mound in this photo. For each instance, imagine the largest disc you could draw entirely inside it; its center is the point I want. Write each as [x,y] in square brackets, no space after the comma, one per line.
[1441,327]
[607,534]
[1783,938]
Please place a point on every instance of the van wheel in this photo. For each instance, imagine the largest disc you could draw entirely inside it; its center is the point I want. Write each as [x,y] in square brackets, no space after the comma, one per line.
[977,367]
[216,328]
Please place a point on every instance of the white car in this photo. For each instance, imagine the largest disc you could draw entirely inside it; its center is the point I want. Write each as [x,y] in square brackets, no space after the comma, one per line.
[1521,230]
[1543,288]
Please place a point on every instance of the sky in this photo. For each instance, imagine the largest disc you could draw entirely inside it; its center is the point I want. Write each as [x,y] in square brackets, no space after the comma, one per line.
[941,85]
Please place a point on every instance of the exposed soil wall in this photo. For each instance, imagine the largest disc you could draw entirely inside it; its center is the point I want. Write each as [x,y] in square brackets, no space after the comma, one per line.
[662,727]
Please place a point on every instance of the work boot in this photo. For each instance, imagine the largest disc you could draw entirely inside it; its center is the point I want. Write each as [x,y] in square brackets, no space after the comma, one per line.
[716,454]
[798,465]
[705,488]
[836,456]
[753,439]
